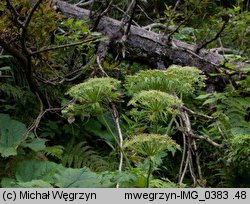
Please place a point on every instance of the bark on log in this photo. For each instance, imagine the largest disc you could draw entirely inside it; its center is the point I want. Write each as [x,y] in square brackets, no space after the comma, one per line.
[149,47]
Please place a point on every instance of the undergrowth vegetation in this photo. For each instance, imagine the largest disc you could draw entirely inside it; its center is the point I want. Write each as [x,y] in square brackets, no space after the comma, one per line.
[69,120]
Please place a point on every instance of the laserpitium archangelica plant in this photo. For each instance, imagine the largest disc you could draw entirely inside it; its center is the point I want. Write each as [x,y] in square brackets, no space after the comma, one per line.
[155,104]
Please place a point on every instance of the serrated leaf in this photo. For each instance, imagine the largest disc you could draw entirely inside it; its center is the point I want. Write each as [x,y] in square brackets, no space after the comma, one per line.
[78,178]
[36,144]
[37,170]
[12,134]
[34,184]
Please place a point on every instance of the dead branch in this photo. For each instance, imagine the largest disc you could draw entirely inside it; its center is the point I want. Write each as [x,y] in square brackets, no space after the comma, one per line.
[84,3]
[25,28]
[145,13]
[183,22]
[197,158]
[63,46]
[187,125]
[198,114]
[170,17]
[182,171]
[119,9]
[205,43]
[208,140]
[14,13]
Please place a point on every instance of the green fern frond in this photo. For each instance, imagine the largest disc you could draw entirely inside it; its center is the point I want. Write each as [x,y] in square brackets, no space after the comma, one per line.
[232,113]
[54,151]
[176,79]
[82,155]
[14,92]
[154,106]
[240,151]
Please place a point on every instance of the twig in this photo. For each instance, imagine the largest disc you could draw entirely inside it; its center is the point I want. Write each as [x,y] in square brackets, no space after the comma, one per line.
[198,164]
[130,19]
[220,131]
[120,136]
[25,28]
[12,9]
[84,3]
[107,9]
[100,66]
[190,132]
[119,9]
[185,168]
[37,120]
[184,21]
[170,17]
[14,13]
[145,13]
[35,124]
[219,50]
[153,25]
[195,113]
[190,163]
[208,140]
[205,43]
[130,7]
[101,15]
[63,46]
[187,124]
[115,116]
[183,152]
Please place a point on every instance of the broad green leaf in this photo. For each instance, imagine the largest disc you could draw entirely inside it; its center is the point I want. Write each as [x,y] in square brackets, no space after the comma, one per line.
[78,178]
[37,170]
[34,184]
[36,144]
[12,134]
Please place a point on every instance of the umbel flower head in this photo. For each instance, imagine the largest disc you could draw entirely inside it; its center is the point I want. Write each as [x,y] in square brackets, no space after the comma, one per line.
[154,106]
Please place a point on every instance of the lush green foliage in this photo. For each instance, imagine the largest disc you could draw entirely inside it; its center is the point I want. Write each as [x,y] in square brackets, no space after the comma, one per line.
[63,124]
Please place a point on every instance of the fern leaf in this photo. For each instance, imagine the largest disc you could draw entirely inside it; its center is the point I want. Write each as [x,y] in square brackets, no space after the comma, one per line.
[82,155]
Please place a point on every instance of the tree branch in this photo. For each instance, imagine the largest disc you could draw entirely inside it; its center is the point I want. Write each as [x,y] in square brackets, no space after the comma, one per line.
[63,46]
[13,51]
[183,22]
[190,132]
[25,27]
[170,17]
[205,43]
[14,13]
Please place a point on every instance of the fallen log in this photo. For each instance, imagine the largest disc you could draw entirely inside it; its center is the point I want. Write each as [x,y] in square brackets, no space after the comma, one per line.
[149,47]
